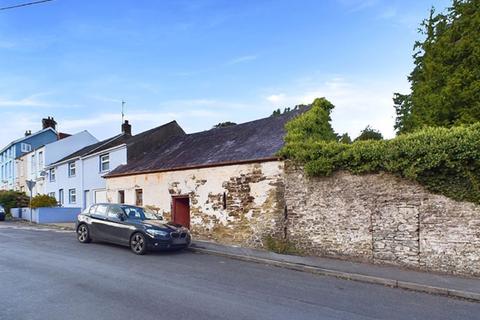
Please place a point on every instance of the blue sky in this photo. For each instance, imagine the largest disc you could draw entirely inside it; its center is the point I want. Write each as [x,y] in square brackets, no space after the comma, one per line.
[202,62]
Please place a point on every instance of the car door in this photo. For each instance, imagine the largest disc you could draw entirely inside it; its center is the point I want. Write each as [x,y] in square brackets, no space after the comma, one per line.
[117,230]
[98,213]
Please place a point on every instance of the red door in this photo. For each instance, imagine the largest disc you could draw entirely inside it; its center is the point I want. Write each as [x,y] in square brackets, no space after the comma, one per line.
[181,211]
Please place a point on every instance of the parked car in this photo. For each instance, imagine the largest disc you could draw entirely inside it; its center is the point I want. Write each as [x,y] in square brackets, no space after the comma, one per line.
[130,226]
[2,213]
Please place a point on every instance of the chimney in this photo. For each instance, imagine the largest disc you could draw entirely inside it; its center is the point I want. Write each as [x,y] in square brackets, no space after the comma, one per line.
[49,122]
[27,133]
[127,128]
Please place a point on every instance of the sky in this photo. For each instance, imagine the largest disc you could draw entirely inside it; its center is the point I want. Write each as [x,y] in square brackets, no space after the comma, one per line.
[203,62]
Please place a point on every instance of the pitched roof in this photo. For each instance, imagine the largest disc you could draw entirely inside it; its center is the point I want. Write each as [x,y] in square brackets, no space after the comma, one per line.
[135,144]
[250,141]
[27,137]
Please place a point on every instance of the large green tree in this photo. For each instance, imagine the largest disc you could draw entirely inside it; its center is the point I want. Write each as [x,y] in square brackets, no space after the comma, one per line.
[445,82]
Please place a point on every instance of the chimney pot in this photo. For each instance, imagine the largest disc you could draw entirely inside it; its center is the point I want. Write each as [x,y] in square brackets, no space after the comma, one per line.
[127,128]
[49,122]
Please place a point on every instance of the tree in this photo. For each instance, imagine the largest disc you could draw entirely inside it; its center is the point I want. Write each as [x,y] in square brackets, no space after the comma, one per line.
[309,127]
[43,200]
[369,134]
[225,124]
[279,112]
[445,82]
[13,199]
[345,138]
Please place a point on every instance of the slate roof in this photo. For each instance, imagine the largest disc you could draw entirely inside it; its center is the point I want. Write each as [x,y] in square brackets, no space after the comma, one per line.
[137,144]
[250,141]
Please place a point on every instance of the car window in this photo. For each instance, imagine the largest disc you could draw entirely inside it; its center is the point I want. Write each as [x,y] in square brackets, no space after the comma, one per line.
[133,212]
[113,211]
[101,210]
[92,209]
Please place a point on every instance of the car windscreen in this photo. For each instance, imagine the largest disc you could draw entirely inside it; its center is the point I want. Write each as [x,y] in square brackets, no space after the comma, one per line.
[138,213]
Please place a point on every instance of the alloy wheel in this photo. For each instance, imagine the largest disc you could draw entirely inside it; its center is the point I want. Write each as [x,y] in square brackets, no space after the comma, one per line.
[138,243]
[82,233]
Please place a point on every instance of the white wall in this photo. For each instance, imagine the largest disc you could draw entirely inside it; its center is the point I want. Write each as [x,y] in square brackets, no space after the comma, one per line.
[87,177]
[62,148]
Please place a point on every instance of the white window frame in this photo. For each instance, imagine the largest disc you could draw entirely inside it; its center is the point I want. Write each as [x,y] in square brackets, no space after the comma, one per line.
[52,175]
[40,160]
[72,166]
[25,147]
[72,196]
[103,161]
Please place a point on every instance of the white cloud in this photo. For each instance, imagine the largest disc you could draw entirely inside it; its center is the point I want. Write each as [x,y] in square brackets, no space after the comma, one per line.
[242,59]
[358,102]
[276,98]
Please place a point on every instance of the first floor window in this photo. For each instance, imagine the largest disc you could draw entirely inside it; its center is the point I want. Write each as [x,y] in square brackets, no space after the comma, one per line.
[72,196]
[52,174]
[71,169]
[104,162]
[52,194]
[139,197]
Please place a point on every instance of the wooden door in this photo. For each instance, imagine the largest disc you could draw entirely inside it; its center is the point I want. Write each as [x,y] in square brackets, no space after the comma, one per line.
[181,210]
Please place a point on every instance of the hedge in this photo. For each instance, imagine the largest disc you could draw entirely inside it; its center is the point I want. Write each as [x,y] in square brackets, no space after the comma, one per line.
[444,160]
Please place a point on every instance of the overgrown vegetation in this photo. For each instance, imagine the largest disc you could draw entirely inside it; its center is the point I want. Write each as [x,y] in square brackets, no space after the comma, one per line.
[445,160]
[43,200]
[225,124]
[445,82]
[13,199]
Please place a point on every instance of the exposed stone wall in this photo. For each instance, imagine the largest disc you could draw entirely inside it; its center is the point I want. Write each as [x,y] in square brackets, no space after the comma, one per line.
[382,219]
[254,199]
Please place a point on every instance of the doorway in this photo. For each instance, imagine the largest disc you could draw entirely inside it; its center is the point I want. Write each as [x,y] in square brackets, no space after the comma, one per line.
[181,210]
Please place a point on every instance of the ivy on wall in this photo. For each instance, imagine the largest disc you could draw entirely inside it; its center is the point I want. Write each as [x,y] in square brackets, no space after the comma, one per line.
[444,160]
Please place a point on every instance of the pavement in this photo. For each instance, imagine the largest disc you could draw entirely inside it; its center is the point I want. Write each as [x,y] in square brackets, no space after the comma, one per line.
[448,285]
[47,274]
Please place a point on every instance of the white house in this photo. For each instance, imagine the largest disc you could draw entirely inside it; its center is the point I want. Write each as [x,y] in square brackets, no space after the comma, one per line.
[77,180]
[32,165]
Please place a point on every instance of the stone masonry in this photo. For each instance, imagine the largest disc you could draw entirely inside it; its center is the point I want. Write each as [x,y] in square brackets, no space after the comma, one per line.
[381,218]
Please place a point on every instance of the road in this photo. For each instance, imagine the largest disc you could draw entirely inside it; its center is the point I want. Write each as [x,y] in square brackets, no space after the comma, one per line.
[47,274]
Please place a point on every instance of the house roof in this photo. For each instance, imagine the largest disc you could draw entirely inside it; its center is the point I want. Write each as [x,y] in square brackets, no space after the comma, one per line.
[27,137]
[137,142]
[247,142]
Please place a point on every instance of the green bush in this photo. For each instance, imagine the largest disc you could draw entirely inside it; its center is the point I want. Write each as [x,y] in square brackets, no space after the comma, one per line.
[445,160]
[43,200]
[13,199]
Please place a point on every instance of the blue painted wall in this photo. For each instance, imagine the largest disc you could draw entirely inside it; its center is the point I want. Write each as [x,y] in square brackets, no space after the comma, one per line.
[8,170]
[47,215]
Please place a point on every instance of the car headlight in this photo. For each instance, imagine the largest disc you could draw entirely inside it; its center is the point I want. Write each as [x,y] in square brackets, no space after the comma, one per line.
[157,233]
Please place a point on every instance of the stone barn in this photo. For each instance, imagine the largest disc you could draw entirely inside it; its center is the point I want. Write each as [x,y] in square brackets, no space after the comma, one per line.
[225,184]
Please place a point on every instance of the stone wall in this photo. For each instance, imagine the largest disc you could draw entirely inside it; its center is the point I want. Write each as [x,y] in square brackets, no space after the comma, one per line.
[381,218]
[254,199]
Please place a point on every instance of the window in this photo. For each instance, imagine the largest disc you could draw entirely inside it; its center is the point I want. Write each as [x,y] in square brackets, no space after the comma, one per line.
[40,160]
[60,196]
[114,211]
[139,197]
[52,194]
[25,147]
[104,162]
[72,169]
[52,175]
[33,163]
[101,210]
[72,196]
[121,196]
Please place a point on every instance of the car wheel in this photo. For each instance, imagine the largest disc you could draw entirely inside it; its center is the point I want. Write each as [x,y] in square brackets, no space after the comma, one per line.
[138,243]
[83,234]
